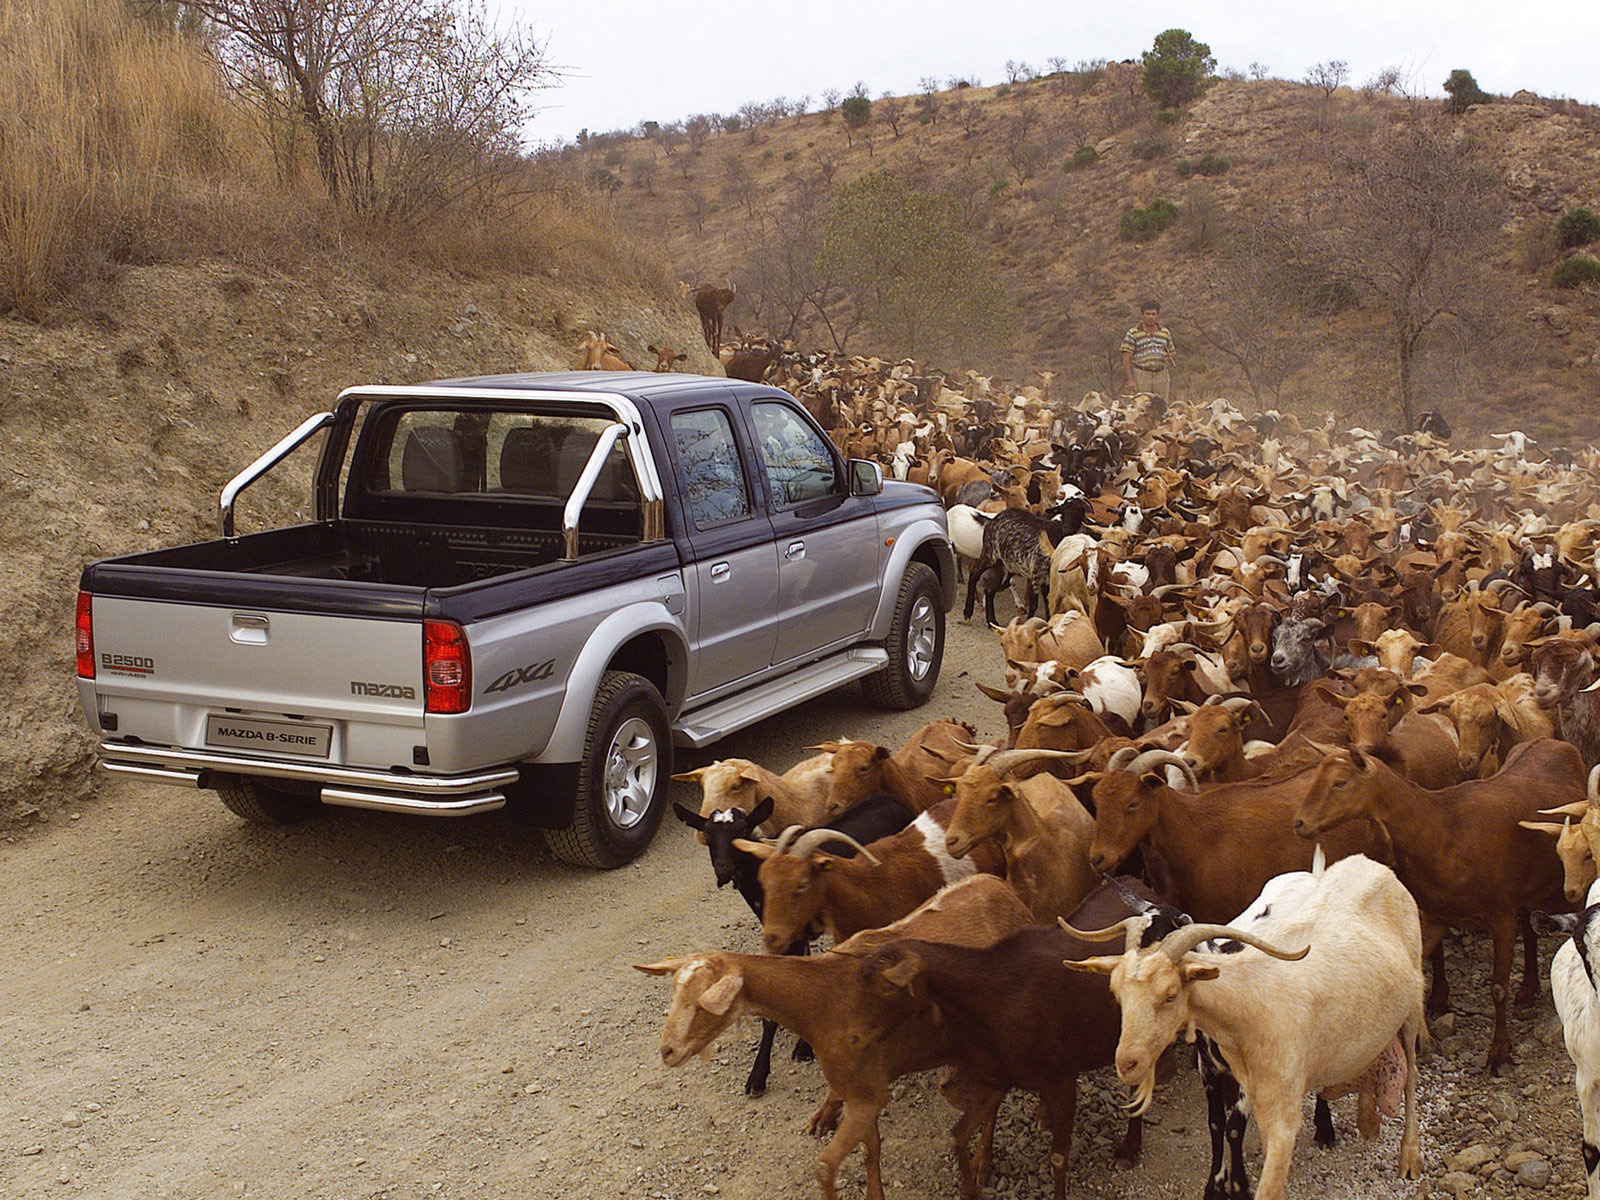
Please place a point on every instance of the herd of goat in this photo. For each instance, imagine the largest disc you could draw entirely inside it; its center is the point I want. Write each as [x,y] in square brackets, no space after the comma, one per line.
[1283,705]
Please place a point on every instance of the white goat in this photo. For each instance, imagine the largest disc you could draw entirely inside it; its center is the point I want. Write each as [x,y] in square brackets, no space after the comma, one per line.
[1284,1029]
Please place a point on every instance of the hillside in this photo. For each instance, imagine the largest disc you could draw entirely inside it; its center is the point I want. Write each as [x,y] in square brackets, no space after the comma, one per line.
[124,412]
[1249,159]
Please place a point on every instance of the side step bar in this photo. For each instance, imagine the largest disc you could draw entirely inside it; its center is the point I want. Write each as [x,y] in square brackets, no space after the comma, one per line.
[705,725]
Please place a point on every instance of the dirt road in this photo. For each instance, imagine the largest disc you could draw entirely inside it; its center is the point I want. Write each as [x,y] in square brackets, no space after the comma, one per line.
[378,1006]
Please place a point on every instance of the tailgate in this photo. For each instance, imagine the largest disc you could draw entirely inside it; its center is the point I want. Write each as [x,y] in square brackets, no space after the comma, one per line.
[307,686]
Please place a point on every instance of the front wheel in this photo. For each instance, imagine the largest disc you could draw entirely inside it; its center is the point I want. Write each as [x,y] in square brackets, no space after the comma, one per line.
[622,781]
[915,645]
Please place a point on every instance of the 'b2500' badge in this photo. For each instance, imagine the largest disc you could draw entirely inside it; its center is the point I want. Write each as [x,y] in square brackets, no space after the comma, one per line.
[521,675]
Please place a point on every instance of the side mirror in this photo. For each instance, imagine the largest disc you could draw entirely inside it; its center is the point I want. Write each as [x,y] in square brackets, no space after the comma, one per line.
[866,477]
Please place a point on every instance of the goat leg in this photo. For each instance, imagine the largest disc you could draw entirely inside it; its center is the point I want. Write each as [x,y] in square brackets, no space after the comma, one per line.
[1227,1115]
[1528,993]
[756,1082]
[826,1118]
[1063,1104]
[979,1106]
[1433,932]
[1322,1119]
[1502,929]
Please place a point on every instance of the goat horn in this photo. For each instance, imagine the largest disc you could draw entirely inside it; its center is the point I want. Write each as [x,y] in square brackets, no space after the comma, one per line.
[1170,587]
[1237,704]
[1151,758]
[1122,758]
[1594,787]
[1130,927]
[1007,761]
[1576,809]
[1180,941]
[812,840]
[788,835]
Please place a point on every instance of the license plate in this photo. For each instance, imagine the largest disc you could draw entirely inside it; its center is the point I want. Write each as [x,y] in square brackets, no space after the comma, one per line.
[279,737]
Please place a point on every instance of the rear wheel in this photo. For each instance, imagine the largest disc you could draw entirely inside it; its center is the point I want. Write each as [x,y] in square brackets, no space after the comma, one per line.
[915,645]
[263,803]
[622,781]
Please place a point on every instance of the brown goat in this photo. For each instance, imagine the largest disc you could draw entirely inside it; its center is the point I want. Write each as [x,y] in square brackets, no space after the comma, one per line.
[1459,850]
[846,895]
[911,775]
[817,997]
[1221,843]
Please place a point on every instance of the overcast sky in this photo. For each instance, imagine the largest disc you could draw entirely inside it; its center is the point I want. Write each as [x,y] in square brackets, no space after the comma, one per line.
[626,61]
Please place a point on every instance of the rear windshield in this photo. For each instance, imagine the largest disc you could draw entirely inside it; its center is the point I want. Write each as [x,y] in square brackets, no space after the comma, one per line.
[502,454]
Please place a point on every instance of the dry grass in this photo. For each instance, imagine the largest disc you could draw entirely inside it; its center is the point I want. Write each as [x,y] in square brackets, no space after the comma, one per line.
[121,143]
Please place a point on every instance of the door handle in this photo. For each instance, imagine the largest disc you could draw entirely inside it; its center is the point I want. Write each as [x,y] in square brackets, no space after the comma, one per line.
[795,550]
[720,572]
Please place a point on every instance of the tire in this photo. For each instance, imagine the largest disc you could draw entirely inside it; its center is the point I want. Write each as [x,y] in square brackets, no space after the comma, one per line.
[623,779]
[262,803]
[915,645]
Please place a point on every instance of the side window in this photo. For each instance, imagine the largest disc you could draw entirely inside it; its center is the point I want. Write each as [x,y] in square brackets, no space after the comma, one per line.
[799,466]
[714,488]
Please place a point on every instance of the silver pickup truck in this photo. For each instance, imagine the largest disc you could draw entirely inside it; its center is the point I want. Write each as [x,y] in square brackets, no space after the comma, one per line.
[522,588]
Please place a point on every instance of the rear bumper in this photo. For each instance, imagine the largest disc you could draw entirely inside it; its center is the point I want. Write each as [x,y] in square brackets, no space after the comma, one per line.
[441,795]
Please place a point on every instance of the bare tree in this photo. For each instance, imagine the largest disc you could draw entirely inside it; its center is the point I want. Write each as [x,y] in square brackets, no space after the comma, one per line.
[697,128]
[1412,219]
[411,105]
[1247,314]
[1328,77]
[830,101]
[891,110]
[1259,71]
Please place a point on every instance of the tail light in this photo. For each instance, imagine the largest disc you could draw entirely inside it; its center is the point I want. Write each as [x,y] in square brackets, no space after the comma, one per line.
[446,667]
[85,630]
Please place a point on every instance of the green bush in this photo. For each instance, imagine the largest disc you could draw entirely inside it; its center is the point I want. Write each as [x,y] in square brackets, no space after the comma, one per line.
[1577,271]
[1169,116]
[732,124]
[1176,67]
[1148,148]
[1577,227]
[1464,91]
[1359,125]
[1142,224]
[1083,156]
[1001,92]
[1206,164]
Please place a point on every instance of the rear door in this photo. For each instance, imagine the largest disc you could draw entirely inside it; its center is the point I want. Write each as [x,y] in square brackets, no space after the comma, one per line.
[828,547]
[734,579]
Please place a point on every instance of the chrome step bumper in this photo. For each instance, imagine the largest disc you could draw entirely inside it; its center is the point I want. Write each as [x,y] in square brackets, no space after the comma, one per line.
[440,795]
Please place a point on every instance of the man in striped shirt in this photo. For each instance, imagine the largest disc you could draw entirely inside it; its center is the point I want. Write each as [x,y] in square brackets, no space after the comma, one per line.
[1147,354]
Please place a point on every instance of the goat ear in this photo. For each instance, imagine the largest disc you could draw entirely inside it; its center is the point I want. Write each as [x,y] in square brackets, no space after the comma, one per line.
[1153,779]
[762,812]
[689,817]
[1417,689]
[993,693]
[759,849]
[667,966]
[694,776]
[719,997]
[1100,964]
[1195,971]
[903,974]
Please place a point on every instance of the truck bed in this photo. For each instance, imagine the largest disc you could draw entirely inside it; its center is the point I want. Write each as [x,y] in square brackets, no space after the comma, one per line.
[404,554]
